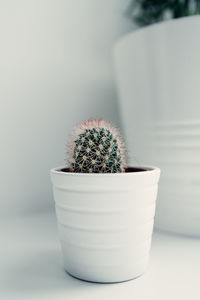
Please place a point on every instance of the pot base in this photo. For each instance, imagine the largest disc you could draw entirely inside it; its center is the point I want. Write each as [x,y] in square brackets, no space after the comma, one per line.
[103,282]
[115,273]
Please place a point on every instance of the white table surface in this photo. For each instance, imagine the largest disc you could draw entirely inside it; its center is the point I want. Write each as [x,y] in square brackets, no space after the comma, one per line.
[31,267]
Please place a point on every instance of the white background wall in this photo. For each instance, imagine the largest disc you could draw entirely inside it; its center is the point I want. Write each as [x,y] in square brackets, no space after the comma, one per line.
[55,70]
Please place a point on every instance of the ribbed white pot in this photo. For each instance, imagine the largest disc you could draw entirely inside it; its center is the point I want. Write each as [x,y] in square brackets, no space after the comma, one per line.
[105,222]
[178,145]
[157,70]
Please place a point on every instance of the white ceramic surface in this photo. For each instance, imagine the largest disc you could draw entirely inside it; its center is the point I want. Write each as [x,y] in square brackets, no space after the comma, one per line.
[157,71]
[158,75]
[179,195]
[30,261]
[105,222]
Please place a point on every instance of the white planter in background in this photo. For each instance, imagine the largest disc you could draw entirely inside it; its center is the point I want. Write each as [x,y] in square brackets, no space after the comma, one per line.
[105,222]
[158,78]
[178,146]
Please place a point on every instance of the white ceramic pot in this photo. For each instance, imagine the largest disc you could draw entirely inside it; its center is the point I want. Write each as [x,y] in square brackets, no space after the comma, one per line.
[179,194]
[105,222]
[158,73]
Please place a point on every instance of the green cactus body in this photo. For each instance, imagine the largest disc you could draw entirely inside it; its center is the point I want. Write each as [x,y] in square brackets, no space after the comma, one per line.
[97,150]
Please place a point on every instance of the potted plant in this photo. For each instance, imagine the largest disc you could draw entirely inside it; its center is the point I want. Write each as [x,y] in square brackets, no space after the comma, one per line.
[105,209]
[157,68]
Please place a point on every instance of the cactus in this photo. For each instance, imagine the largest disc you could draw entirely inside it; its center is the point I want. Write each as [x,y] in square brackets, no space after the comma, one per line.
[96,147]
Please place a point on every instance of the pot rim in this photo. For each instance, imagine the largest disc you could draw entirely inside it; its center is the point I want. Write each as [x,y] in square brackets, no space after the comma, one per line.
[149,169]
[171,22]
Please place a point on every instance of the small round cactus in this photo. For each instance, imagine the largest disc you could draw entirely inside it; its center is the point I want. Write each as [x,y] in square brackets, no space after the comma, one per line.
[96,147]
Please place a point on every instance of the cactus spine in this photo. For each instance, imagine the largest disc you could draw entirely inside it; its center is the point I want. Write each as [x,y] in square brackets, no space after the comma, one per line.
[96,147]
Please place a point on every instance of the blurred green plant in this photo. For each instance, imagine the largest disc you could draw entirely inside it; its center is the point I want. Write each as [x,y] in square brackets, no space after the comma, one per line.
[146,12]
